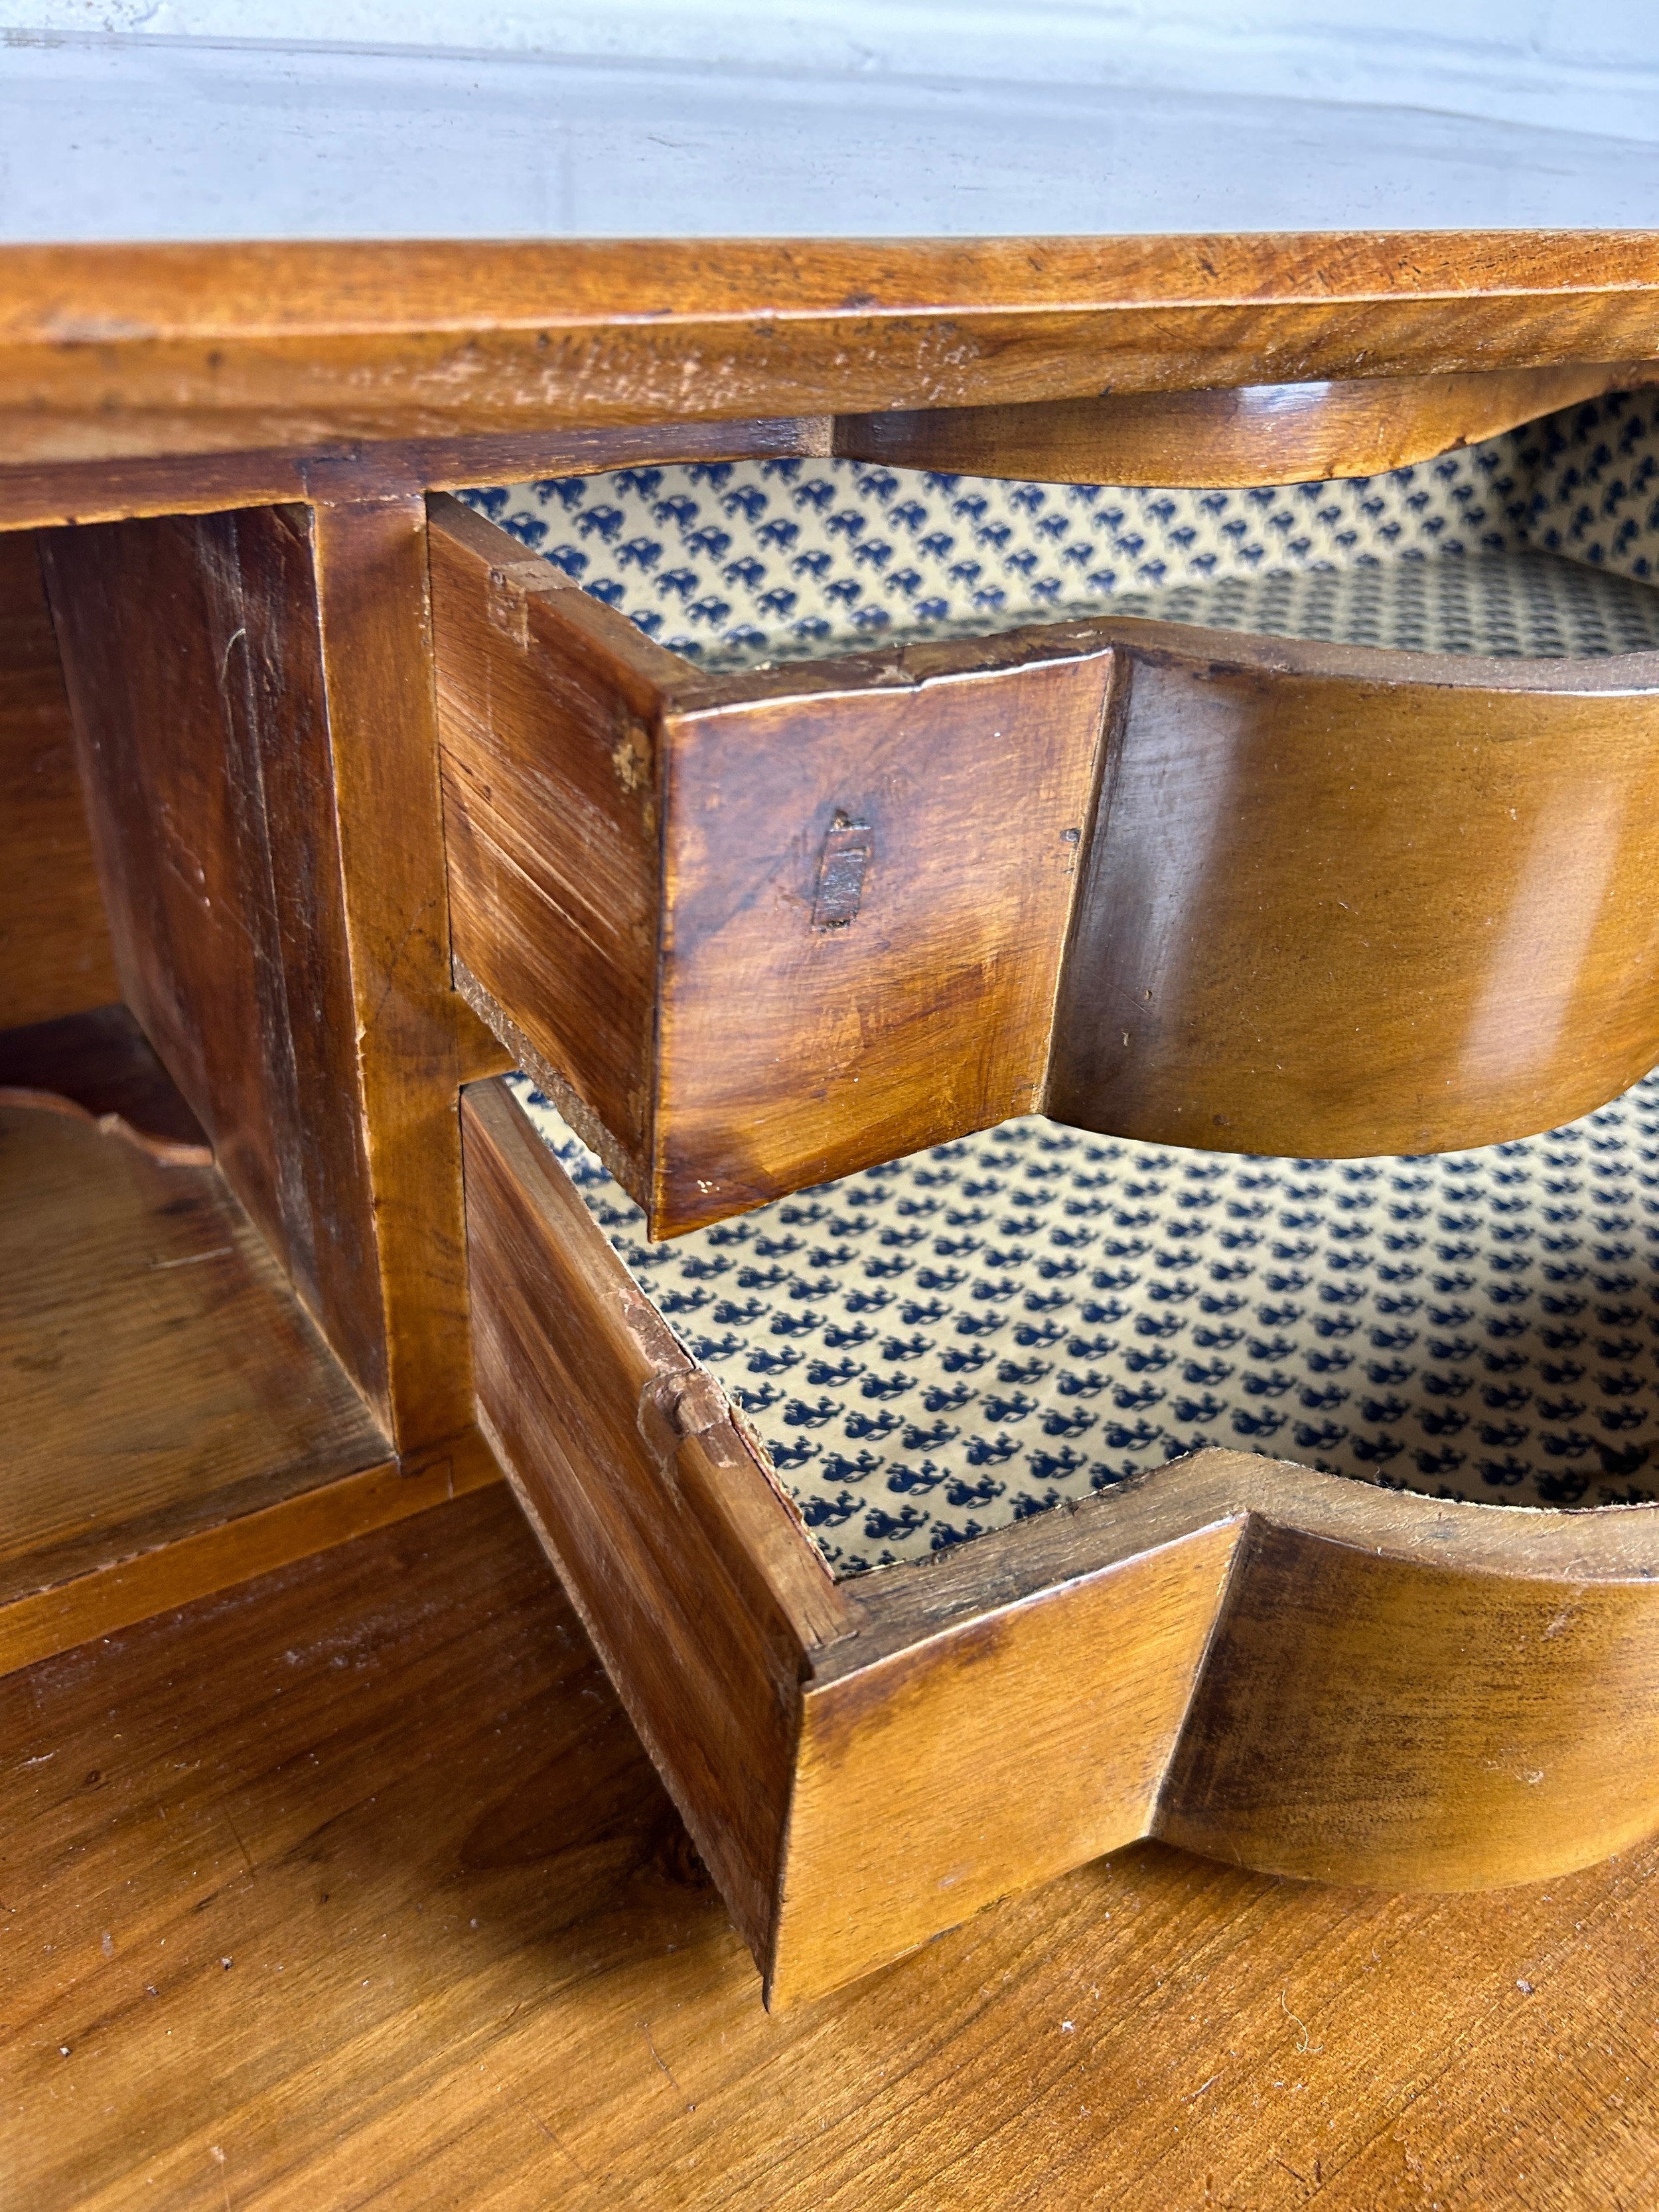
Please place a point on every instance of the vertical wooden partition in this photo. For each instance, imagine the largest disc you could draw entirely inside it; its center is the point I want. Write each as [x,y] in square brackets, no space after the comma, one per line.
[54,947]
[252,703]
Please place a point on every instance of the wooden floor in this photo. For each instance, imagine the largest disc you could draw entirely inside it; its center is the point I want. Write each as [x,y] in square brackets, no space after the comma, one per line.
[350,1888]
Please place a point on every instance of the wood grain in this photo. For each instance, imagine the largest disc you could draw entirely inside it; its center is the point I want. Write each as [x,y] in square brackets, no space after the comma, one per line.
[254,696]
[701,1640]
[410,1033]
[236,1549]
[55,955]
[1337,900]
[1363,1722]
[159,1378]
[1299,1673]
[1262,434]
[122,352]
[1384,1689]
[791,1050]
[515,1989]
[194,661]
[1342,900]
[636,859]
[1010,1744]
[351,472]
[548,707]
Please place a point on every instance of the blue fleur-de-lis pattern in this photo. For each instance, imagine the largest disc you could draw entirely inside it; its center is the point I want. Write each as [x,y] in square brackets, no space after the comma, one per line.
[737,564]
[944,1344]
[1591,479]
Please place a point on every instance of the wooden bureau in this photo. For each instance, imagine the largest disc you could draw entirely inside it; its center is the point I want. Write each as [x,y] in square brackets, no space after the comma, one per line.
[332,801]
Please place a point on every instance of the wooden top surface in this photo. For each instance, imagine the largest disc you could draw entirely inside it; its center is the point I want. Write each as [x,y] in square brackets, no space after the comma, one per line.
[147,138]
[352,1887]
[225,248]
[70,294]
[110,355]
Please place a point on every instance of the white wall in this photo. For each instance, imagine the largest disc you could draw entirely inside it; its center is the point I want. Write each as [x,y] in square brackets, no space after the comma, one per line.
[1548,63]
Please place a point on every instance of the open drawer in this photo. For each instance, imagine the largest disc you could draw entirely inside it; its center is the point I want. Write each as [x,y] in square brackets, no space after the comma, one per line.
[1346,859]
[864,1500]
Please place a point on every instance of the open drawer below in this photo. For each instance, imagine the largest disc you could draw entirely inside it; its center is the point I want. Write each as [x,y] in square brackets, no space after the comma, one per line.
[1278,1667]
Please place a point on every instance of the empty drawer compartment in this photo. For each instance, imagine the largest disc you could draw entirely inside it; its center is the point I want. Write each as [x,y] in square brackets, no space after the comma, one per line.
[864,1499]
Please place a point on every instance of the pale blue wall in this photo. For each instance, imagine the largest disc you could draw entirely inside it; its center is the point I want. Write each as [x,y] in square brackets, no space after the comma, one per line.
[1559,64]
[365,119]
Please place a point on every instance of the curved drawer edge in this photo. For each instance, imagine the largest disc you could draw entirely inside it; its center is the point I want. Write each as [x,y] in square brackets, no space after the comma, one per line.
[1281,1668]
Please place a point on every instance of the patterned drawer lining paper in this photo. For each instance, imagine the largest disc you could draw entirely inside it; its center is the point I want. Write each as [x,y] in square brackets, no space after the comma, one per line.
[939,1347]
[1542,543]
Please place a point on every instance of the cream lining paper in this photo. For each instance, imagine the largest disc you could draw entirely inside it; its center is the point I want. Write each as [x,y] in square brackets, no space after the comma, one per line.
[938,1346]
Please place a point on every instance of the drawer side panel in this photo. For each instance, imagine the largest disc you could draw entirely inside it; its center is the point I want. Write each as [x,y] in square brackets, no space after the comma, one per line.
[571,1365]
[551,816]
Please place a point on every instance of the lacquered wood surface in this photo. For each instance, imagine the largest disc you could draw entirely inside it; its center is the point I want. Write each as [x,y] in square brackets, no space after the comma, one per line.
[87,389]
[55,954]
[637,860]
[412,1039]
[799,1039]
[1295,1672]
[1335,900]
[1000,1746]
[547,713]
[1342,900]
[705,1650]
[473,1962]
[335,472]
[1265,434]
[234,1548]
[116,353]
[253,699]
[194,663]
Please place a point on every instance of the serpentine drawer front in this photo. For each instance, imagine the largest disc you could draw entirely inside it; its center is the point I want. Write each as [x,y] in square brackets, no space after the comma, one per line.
[762,922]
[1279,1667]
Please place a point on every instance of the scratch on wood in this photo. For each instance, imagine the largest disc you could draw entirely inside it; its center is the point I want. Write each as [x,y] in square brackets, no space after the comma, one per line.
[247,1858]
[559,2143]
[645,2030]
[190,1258]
